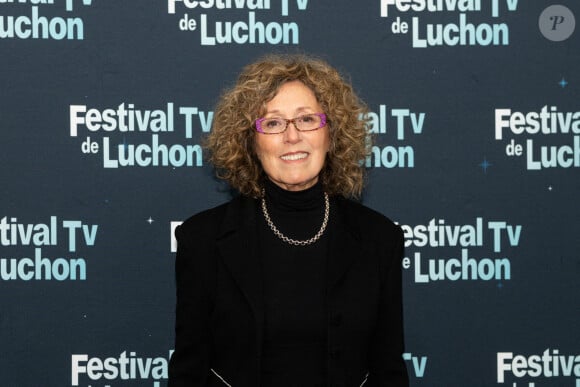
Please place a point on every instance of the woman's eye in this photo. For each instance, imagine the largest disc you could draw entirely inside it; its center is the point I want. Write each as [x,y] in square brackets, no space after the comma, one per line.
[272,124]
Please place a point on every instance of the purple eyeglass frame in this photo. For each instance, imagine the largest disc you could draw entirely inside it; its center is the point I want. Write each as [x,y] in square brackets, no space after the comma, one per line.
[291,120]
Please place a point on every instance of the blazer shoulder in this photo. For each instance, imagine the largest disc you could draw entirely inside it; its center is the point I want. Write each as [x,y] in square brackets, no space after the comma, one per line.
[203,219]
[367,220]
[209,223]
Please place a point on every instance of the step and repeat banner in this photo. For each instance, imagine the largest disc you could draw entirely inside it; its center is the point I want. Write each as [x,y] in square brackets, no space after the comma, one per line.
[476,110]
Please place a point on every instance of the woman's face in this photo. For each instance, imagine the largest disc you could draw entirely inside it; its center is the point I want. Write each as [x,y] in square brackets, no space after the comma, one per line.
[292,159]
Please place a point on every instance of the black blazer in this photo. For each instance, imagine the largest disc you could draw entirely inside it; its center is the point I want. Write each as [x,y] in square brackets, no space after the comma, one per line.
[220,313]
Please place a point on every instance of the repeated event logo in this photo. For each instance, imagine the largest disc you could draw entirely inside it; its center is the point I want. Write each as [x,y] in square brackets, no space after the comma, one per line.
[460,32]
[19,21]
[265,23]
[109,133]
[126,367]
[543,368]
[132,367]
[14,236]
[399,125]
[437,235]
[546,138]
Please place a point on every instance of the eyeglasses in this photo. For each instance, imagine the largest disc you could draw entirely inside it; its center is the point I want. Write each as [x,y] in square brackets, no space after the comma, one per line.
[304,123]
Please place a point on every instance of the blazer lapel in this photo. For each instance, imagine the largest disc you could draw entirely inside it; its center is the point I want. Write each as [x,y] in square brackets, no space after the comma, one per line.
[344,246]
[237,246]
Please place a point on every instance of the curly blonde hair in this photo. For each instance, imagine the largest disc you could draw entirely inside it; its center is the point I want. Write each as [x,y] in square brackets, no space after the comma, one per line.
[231,143]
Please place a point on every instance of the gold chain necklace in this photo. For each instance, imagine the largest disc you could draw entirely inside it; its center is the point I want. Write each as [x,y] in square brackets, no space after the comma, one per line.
[294,241]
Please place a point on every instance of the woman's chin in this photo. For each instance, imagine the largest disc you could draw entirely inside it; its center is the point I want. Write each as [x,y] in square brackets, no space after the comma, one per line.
[295,184]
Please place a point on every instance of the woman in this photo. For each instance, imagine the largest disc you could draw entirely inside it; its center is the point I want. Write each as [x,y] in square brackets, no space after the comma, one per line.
[290,283]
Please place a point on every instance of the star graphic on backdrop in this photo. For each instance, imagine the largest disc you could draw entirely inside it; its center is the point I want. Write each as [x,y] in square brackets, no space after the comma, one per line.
[563,83]
[150,220]
[484,165]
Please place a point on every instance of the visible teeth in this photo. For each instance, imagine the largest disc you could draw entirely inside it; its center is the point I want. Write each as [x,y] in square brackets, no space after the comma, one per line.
[294,156]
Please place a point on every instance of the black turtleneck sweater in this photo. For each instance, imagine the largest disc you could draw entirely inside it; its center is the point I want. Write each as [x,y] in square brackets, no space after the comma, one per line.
[294,277]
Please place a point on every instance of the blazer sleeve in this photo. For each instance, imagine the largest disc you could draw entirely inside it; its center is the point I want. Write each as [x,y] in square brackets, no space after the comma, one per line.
[386,365]
[190,362]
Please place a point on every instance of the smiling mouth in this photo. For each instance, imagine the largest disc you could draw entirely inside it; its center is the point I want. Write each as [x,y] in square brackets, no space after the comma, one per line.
[294,156]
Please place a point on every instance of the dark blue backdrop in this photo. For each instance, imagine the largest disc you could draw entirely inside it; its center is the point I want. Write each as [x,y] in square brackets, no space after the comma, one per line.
[477,155]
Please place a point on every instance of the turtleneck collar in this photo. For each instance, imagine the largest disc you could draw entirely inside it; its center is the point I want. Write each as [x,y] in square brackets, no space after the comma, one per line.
[305,200]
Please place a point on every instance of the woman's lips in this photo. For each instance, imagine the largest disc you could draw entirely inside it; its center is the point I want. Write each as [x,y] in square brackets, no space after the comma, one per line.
[294,156]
